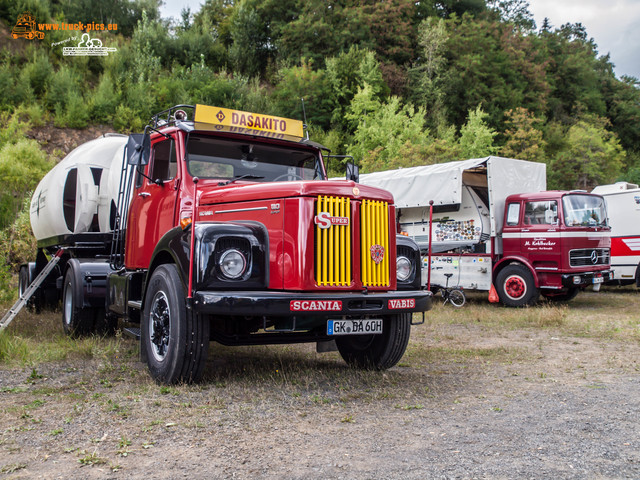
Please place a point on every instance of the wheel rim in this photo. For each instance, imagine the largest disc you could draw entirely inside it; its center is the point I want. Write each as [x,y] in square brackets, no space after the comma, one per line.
[68,304]
[22,285]
[515,287]
[159,326]
[457,298]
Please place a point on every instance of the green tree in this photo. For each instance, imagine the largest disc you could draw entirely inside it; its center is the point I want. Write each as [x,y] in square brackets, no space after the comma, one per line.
[593,156]
[383,130]
[347,73]
[476,137]
[514,11]
[426,76]
[250,50]
[296,83]
[524,139]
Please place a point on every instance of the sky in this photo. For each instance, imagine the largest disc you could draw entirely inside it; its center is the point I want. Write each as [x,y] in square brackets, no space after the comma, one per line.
[613,24]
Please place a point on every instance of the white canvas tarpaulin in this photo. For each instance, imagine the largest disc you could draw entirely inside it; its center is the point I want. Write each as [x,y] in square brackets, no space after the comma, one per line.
[443,183]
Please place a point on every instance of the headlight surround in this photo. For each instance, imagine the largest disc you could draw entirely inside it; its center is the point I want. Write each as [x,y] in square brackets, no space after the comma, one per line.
[232,263]
[404,268]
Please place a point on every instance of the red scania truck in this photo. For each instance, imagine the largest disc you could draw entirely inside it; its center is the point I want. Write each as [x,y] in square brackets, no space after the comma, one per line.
[494,224]
[221,225]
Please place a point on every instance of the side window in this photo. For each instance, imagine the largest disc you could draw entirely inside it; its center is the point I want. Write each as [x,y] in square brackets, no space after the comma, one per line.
[541,213]
[513,214]
[164,164]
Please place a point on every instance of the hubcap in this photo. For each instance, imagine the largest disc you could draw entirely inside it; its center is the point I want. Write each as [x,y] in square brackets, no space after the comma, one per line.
[159,326]
[515,287]
[68,304]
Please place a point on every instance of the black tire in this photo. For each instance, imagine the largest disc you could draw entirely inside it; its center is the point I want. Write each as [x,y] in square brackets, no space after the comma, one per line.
[377,352]
[174,342]
[76,321]
[565,296]
[516,287]
[457,298]
[34,304]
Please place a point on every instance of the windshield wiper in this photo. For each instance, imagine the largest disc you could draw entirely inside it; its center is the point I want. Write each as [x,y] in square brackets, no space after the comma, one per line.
[240,177]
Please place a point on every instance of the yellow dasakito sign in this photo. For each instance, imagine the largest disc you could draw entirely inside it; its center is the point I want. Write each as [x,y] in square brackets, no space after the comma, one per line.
[248,123]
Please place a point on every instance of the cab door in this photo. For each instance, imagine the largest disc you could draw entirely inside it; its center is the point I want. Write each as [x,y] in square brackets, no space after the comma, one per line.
[153,205]
[541,239]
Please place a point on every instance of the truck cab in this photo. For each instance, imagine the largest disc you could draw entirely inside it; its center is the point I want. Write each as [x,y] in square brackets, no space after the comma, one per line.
[561,238]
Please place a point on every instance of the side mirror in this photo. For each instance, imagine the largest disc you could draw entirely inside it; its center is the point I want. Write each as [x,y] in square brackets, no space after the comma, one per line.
[138,149]
[549,217]
[353,172]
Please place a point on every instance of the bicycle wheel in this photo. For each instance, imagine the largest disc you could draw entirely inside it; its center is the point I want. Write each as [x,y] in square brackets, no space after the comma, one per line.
[457,298]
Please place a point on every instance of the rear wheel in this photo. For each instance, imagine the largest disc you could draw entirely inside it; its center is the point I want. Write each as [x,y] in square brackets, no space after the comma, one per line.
[174,341]
[76,321]
[377,352]
[457,298]
[516,287]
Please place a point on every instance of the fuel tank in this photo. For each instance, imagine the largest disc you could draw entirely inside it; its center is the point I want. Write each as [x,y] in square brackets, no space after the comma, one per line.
[80,193]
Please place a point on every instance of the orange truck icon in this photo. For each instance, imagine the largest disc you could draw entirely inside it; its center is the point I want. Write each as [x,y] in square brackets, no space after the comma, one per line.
[26,27]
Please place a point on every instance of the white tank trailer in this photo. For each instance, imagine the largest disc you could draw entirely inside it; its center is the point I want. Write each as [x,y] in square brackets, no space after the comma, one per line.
[80,193]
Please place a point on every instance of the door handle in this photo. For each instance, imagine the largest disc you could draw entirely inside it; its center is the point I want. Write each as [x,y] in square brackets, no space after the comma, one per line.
[144,194]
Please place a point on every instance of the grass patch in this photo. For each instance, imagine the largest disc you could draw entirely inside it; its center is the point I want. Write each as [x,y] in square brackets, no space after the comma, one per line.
[33,339]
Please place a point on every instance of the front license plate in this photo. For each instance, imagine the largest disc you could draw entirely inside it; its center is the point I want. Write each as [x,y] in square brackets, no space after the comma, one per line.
[354,327]
[598,280]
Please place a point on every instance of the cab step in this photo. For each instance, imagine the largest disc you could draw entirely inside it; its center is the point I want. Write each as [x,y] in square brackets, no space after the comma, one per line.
[132,332]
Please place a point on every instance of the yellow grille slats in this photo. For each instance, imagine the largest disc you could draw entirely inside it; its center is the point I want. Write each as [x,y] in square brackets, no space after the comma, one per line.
[334,242]
[374,233]
[333,248]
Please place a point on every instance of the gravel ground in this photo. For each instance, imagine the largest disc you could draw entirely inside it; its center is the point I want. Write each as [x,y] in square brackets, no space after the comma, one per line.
[466,402]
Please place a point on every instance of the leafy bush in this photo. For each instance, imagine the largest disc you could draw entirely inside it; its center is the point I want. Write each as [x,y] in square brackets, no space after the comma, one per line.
[17,243]
[22,165]
[127,121]
[75,113]
[104,101]
[64,83]
[12,129]
[38,72]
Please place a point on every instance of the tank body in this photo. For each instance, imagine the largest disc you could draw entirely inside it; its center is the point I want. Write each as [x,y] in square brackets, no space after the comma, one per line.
[80,193]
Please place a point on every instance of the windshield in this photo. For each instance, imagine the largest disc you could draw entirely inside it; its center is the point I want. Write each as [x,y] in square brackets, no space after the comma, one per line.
[584,211]
[226,159]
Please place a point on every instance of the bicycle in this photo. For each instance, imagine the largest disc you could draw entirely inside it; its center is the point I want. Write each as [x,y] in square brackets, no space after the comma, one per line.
[454,295]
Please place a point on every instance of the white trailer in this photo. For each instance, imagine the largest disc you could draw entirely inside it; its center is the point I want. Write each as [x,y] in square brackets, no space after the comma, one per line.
[623,208]
[469,203]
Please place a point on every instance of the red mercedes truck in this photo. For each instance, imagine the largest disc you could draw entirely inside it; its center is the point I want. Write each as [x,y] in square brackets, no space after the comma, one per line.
[494,223]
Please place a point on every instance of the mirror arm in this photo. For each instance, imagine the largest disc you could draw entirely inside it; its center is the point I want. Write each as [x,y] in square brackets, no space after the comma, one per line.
[157,131]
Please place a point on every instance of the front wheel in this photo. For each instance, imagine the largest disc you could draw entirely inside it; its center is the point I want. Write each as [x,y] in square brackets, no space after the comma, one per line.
[377,352]
[174,341]
[516,287]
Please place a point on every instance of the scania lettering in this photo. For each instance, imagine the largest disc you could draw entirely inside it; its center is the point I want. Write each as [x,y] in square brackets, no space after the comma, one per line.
[221,225]
[315,306]
[494,224]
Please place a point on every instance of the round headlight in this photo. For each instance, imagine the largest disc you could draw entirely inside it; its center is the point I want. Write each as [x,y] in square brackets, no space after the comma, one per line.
[403,268]
[232,264]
